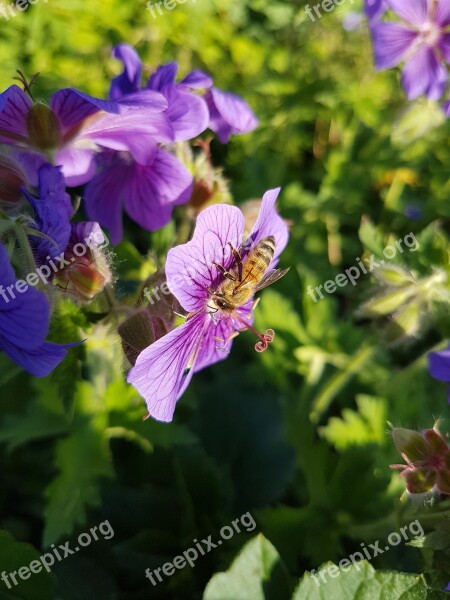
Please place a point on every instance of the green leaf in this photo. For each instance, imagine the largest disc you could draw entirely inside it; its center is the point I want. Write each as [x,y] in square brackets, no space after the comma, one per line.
[361,582]
[256,574]
[365,426]
[81,458]
[13,555]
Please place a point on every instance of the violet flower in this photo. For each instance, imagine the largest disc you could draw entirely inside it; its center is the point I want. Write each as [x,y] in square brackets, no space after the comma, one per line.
[53,211]
[24,323]
[73,126]
[421,41]
[163,370]
[439,366]
[374,9]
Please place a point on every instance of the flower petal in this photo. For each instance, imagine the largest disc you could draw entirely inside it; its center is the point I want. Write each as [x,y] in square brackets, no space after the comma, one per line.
[163,76]
[159,374]
[104,195]
[128,81]
[151,192]
[442,15]
[39,361]
[137,131]
[415,11]
[190,268]
[444,46]
[439,365]
[78,165]
[390,44]
[229,114]
[423,74]
[268,223]
[197,80]
[14,107]
[72,107]
[187,113]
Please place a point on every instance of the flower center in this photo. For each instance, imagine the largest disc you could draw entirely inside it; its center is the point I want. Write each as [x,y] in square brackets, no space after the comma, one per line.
[44,130]
[430,34]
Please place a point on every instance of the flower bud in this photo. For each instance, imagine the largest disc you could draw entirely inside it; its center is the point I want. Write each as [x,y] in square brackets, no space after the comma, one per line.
[12,178]
[139,331]
[88,270]
[44,130]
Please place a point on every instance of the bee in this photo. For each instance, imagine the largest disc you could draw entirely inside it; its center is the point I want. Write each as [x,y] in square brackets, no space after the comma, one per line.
[247,277]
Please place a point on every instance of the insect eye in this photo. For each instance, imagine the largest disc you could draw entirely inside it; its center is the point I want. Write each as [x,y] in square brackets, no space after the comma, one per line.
[221,303]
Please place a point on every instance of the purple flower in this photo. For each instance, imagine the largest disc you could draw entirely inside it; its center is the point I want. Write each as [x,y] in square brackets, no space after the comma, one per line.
[24,323]
[439,366]
[374,9]
[194,276]
[225,113]
[421,41]
[53,211]
[74,125]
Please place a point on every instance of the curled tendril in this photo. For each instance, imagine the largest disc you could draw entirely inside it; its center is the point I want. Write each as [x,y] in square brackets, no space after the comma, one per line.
[265,340]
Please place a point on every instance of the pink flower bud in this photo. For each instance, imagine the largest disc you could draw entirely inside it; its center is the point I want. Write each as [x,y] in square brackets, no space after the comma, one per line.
[12,178]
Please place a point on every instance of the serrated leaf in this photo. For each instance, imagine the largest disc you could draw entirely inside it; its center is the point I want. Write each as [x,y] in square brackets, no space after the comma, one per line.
[82,458]
[365,426]
[361,582]
[257,573]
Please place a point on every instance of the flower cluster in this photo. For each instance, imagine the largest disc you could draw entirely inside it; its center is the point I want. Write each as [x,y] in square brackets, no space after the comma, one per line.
[132,152]
[421,41]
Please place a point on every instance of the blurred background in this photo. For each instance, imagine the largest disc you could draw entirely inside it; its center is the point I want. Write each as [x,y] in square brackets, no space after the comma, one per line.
[297,436]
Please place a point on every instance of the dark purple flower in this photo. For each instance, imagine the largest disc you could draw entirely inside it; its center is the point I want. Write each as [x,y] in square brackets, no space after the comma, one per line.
[439,366]
[24,323]
[52,213]
[374,9]
[74,126]
[163,370]
[421,41]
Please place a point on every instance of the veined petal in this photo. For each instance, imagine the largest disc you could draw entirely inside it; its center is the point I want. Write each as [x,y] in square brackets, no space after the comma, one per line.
[187,113]
[190,268]
[412,11]
[229,114]
[151,192]
[137,131]
[216,344]
[160,374]
[104,195]
[423,74]
[39,361]
[72,107]
[444,46]
[146,99]
[128,81]
[14,107]
[163,76]
[390,44]
[442,15]
[197,80]
[268,223]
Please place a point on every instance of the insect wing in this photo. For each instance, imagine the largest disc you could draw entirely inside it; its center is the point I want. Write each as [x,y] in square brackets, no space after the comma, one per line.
[270,278]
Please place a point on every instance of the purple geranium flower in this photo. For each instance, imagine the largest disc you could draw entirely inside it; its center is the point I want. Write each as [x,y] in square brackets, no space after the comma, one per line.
[421,41]
[24,323]
[374,9]
[53,211]
[194,274]
[439,366]
[74,125]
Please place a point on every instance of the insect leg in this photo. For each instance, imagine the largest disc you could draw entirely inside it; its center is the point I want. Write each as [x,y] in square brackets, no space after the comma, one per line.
[238,259]
[224,272]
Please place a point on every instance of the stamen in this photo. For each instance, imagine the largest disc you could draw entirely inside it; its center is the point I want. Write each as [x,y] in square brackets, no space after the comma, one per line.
[265,338]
